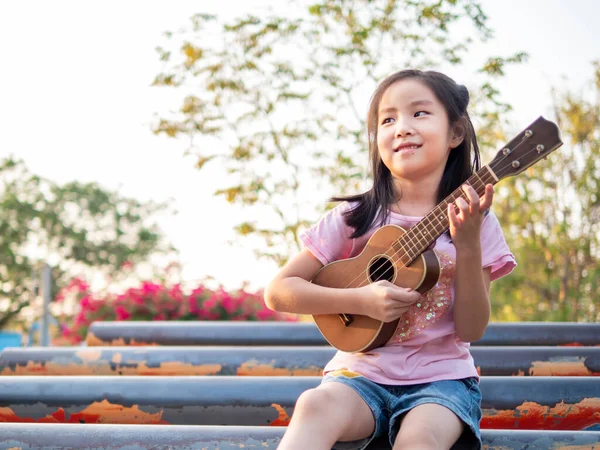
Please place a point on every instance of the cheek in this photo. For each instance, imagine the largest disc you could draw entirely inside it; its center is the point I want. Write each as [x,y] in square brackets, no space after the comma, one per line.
[383,137]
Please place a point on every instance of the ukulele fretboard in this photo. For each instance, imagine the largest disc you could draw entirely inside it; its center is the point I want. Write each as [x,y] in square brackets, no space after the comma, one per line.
[416,240]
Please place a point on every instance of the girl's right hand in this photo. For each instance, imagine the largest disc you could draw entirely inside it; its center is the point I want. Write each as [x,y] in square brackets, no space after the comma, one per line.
[385,301]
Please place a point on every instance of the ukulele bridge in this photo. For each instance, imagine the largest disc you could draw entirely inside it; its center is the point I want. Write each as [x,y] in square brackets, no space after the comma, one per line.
[346,319]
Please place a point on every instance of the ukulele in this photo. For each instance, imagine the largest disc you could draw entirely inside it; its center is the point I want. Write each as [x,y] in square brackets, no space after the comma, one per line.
[404,257]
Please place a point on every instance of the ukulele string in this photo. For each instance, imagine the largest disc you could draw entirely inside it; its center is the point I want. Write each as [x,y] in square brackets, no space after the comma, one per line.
[458,192]
[499,172]
[403,248]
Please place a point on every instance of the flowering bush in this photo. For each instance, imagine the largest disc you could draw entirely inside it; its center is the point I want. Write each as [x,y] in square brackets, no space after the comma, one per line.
[155,301]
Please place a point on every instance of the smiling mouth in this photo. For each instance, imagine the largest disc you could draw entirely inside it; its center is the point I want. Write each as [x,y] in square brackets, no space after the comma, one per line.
[405,148]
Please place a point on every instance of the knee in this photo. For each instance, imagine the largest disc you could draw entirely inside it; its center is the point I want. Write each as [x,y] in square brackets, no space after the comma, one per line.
[313,402]
[417,438]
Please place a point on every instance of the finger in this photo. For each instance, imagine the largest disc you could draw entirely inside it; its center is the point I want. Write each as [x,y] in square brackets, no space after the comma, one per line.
[452,217]
[473,197]
[406,298]
[463,206]
[488,197]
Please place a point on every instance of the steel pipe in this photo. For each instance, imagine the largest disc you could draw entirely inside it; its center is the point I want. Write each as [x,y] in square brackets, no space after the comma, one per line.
[180,437]
[306,333]
[270,361]
[568,403]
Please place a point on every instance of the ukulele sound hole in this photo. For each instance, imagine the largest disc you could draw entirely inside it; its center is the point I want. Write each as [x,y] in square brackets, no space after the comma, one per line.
[381,269]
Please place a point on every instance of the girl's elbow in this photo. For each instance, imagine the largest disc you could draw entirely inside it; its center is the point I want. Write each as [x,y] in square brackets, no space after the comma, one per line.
[469,337]
[270,298]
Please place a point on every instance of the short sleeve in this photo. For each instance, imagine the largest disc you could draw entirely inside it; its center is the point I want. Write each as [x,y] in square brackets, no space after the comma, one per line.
[495,251]
[329,239]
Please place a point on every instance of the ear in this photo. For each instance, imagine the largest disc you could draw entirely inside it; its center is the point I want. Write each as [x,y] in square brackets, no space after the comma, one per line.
[458,134]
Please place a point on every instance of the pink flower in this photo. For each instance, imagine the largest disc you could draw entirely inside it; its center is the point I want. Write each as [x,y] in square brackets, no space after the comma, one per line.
[210,303]
[80,319]
[79,284]
[150,288]
[265,314]
[85,302]
[175,291]
[227,302]
[193,304]
[122,313]
[198,291]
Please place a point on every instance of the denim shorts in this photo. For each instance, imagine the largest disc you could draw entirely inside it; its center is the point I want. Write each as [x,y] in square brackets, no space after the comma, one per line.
[389,403]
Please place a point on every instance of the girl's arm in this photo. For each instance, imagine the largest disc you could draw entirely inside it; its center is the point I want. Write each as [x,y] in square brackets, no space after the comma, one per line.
[471,295]
[291,290]
[472,284]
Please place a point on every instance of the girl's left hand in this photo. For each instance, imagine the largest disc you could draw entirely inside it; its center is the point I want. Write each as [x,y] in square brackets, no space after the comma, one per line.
[466,225]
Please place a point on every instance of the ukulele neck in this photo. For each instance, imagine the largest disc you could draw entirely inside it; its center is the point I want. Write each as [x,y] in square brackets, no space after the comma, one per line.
[419,237]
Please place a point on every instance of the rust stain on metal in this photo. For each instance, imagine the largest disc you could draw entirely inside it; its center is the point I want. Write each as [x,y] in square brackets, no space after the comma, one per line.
[171,368]
[573,447]
[105,368]
[97,412]
[49,368]
[89,355]
[106,412]
[32,368]
[283,420]
[254,368]
[533,416]
[93,341]
[560,368]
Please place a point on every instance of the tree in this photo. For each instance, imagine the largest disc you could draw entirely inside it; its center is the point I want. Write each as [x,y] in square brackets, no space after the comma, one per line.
[553,210]
[274,100]
[76,227]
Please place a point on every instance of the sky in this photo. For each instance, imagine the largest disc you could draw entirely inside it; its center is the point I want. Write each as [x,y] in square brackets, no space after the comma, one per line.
[76,102]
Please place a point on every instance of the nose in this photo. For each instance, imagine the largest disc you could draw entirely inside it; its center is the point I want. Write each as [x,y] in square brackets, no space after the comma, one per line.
[403,128]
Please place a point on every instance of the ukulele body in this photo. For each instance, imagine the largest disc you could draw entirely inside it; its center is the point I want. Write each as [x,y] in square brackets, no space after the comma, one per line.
[379,260]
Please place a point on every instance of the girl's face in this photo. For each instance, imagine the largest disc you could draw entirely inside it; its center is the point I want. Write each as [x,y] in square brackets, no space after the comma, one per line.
[413,134]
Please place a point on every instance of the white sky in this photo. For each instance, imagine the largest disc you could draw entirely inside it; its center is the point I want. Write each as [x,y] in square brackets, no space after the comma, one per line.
[76,101]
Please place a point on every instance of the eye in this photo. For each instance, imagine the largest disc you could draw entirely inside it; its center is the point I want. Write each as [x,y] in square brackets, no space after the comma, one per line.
[418,113]
[386,120]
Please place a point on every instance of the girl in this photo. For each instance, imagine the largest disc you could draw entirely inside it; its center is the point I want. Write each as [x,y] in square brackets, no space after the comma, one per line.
[421,389]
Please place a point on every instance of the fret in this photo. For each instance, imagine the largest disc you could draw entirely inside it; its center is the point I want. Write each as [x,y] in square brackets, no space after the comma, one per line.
[492,174]
[434,224]
[475,183]
[418,229]
[481,181]
[421,239]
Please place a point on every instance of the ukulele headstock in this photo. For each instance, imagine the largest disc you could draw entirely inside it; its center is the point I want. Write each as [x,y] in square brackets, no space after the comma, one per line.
[535,142]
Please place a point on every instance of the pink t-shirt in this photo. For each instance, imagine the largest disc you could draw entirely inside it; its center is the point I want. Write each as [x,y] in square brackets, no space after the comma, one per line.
[425,346]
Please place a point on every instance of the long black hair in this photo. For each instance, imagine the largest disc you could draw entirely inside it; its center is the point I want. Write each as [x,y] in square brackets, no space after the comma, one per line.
[462,162]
